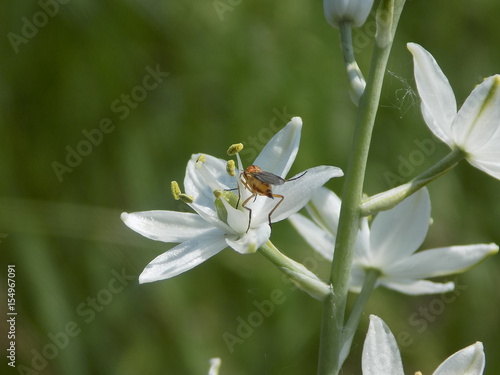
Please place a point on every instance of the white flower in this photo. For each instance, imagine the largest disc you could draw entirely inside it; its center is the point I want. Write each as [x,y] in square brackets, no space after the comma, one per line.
[207,232]
[214,366]
[354,11]
[390,244]
[381,355]
[475,128]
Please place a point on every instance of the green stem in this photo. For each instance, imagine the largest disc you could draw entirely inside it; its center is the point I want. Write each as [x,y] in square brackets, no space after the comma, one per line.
[390,198]
[356,80]
[332,329]
[300,275]
[371,277]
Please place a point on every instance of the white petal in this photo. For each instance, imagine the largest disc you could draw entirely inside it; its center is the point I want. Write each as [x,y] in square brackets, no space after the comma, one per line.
[298,192]
[324,209]
[357,278]
[468,361]
[476,128]
[490,167]
[166,226]
[248,243]
[417,287]
[237,220]
[210,215]
[279,153]
[199,188]
[438,106]
[380,350]
[319,239]
[362,251]
[441,262]
[400,231]
[214,366]
[183,257]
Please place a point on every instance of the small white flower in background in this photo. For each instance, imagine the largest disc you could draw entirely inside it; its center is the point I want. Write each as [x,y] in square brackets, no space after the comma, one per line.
[390,244]
[355,11]
[475,128]
[214,366]
[218,224]
[381,355]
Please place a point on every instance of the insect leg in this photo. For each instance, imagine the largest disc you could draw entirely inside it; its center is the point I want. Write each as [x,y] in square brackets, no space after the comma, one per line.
[249,210]
[275,207]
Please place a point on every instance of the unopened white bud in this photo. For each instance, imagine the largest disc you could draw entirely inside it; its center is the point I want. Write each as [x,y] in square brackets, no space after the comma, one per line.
[354,11]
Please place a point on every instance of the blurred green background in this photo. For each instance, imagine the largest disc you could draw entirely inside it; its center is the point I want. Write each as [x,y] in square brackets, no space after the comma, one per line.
[232,74]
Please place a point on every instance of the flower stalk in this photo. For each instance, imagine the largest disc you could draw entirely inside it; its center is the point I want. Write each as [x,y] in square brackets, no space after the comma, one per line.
[390,198]
[332,331]
[369,284]
[298,274]
[357,82]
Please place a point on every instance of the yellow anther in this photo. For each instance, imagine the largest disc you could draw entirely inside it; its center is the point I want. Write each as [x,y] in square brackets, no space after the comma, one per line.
[234,149]
[230,168]
[176,190]
[201,160]
[218,193]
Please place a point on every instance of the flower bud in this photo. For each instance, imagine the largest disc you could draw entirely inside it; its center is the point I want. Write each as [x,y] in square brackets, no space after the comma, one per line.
[354,11]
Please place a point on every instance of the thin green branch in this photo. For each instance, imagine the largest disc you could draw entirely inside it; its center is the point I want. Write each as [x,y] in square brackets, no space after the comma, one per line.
[371,277]
[357,82]
[298,274]
[390,198]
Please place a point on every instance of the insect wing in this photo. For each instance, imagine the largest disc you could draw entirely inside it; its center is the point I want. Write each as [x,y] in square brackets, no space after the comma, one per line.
[268,178]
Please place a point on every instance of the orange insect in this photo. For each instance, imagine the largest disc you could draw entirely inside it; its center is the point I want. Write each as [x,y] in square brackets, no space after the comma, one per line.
[259,182]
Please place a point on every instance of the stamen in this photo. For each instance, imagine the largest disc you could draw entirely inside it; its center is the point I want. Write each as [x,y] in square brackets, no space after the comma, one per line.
[200,161]
[234,149]
[240,164]
[230,167]
[186,198]
[218,193]
[176,190]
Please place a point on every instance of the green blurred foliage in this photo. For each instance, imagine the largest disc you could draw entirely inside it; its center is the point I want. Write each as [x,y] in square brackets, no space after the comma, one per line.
[231,77]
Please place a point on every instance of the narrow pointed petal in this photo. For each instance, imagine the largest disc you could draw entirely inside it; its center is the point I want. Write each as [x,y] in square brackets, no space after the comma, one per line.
[297,193]
[441,262]
[210,215]
[400,231]
[324,209]
[362,251]
[476,128]
[417,287]
[166,226]
[250,242]
[468,361]
[183,257]
[279,153]
[357,278]
[490,167]
[438,106]
[319,239]
[236,219]
[197,186]
[380,350]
